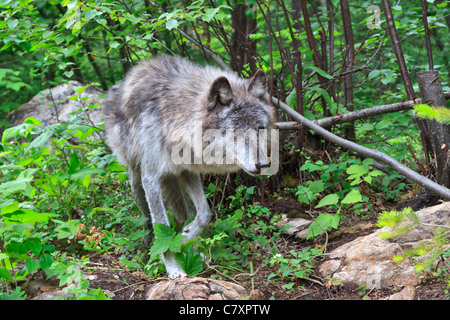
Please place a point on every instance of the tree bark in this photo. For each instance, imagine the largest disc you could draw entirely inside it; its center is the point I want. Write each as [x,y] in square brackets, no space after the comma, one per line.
[431,94]
[243,49]
[348,65]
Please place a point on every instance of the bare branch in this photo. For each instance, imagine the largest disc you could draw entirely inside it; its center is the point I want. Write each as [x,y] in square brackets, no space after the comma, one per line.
[366,152]
[357,115]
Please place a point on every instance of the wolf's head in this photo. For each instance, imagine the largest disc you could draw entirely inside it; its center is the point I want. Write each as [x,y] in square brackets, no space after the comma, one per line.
[239,112]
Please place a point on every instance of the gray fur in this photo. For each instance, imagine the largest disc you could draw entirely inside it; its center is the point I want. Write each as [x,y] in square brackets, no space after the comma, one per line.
[158,105]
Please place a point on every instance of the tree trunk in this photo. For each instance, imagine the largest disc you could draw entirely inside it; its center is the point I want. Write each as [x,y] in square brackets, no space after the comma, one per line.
[431,94]
[348,65]
[242,48]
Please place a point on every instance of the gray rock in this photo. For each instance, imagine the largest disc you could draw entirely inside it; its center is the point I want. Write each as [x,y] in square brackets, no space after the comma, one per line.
[368,260]
[52,105]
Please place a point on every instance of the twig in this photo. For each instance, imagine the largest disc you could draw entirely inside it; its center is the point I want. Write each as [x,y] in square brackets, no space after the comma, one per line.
[417,161]
[212,54]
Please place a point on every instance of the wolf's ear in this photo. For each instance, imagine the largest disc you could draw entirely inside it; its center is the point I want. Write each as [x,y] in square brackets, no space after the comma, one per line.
[258,84]
[220,93]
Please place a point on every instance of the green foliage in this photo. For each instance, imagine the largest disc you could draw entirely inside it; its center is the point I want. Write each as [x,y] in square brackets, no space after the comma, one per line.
[340,184]
[45,175]
[166,240]
[439,114]
[424,254]
[296,265]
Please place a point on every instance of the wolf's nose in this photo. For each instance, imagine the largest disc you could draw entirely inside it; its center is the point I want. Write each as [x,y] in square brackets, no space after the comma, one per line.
[260,165]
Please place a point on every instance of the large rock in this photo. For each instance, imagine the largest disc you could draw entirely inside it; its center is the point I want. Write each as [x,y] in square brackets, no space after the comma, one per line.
[52,105]
[196,288]
[368,260]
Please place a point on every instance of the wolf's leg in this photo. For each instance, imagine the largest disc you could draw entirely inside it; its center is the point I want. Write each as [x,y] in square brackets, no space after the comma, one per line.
[139,197]
[193,185]
[177,199]
[153,193]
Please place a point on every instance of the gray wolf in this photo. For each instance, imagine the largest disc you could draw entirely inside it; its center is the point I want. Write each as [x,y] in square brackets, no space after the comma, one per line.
[169,121]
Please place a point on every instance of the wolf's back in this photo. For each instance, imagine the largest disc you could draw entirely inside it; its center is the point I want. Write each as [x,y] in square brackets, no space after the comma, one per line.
[156,97]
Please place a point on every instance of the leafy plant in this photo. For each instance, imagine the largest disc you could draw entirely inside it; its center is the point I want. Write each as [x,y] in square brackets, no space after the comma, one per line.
[297,265]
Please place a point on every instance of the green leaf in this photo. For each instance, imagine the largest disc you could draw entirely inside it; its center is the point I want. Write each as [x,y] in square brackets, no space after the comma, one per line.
[26,216]
[132,18]
[328,200]
[41,140]
[89,14]
[35,246]
[357,169]
[15,132]
[80,174]
[74,163]
[373,74]
[45,261]
[316,186]
[166,240]
[13,23]
[171,24]
[353,196]
[32,265]
[291,99]
[321,223]
[209,14]
[190,262]
[321,72]
[4,274]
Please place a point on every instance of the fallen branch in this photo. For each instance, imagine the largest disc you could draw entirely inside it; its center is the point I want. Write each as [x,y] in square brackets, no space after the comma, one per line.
[366,152]
[357,115]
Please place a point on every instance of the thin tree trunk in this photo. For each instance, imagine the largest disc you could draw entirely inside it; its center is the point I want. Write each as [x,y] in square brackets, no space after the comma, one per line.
[431,93]
[244,50]
[348,65]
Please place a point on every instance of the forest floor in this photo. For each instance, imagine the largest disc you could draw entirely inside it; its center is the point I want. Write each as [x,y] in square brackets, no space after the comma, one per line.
[134,286]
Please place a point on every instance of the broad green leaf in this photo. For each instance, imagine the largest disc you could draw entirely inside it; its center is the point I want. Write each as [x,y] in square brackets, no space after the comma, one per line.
[41,140]
[171,24]
[373,74]
[26,216]
[4,274]
[209,14]
[321,72]
[353,196]
[13,23]
[32,265]
[328,200]
[89,14]
[15,132]
[80,174]
[322,223]
[45,261]
[74,163]
[357,169]
[316,186]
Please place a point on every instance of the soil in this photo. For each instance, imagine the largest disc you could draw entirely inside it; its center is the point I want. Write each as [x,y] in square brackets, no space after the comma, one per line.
[134,286]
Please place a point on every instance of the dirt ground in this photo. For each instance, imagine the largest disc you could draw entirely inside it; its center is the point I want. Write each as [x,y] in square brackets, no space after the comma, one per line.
[134,286]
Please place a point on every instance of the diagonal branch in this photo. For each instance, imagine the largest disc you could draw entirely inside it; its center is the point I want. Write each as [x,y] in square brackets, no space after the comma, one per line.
[366,152]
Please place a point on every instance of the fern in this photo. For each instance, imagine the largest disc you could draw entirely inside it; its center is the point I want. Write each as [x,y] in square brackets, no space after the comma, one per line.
[424,254]
[398,221]
[440,114]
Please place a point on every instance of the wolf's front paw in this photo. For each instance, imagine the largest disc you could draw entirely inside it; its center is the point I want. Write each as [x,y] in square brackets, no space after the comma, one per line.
[175,273]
